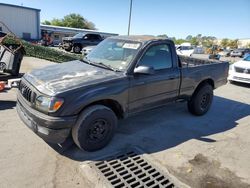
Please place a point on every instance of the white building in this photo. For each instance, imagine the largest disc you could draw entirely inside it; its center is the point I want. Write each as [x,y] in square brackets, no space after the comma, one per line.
[24,22]
[243,43]
[57,33]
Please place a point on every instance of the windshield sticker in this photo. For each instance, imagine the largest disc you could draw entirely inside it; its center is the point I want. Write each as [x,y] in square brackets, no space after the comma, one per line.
[134,46]
[124,63]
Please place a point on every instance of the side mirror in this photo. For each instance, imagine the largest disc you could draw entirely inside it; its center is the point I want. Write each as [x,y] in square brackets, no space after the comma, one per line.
[144,70]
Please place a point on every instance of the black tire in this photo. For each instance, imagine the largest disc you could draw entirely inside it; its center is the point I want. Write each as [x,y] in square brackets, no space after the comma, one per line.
[94,128]
[2,66]
[201,100]
[77,49]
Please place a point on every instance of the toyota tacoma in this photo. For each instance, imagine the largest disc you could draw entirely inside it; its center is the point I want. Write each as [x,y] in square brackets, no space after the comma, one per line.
[122,76]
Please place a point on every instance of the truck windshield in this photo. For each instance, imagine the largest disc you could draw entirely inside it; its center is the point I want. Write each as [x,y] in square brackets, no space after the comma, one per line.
[79,35]
[114,53]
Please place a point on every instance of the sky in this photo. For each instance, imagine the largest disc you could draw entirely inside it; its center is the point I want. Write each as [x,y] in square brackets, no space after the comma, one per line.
[176,18]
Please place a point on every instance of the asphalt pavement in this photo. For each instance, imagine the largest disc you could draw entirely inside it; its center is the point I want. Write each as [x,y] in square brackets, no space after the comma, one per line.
[208,151]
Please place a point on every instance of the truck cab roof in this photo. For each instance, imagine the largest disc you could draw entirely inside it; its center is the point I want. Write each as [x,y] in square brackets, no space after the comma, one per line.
[139,38]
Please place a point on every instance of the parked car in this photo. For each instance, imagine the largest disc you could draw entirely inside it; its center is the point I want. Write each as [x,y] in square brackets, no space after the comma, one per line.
[246,54]
[240,71]
[225,53]
[87,50]
[122,76]
[239,52]
[199,50]
[236,53]
[80,41]
[185,49]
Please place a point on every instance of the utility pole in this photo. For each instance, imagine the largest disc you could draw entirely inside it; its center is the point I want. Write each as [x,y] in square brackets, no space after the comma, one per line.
[130,12]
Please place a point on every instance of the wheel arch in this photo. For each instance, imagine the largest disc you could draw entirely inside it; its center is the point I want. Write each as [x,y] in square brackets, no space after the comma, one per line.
[115,106]
[203,82]
[77,44]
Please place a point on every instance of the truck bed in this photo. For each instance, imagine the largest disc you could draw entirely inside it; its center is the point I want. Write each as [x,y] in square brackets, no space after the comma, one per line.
[185,61]
[194,69]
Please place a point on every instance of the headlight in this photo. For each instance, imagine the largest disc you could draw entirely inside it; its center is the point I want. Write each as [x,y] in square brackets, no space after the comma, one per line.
[48,104]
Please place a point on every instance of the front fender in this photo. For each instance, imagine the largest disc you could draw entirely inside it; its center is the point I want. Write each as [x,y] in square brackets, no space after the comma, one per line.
[83,98]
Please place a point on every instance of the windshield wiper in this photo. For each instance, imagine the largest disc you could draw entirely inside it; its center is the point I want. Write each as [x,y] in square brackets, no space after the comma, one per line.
[108,67]
[100,64]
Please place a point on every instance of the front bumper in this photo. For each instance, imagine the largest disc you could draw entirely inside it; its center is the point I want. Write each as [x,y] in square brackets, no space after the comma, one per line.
[67,45]
[239,77]
[51,129]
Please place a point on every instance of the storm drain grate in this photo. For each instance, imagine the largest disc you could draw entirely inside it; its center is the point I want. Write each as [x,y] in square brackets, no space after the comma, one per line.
[131,170]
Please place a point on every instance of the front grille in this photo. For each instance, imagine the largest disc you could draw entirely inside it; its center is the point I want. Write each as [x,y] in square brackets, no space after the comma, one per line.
[242,70]
[130,170]
[26,92]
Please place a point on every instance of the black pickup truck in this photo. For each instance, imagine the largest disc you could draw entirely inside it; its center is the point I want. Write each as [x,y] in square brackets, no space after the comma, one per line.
[121,77]
[80,41]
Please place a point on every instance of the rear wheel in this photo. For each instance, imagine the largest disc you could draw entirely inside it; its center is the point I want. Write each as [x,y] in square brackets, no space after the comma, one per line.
[201,100]
[95,128]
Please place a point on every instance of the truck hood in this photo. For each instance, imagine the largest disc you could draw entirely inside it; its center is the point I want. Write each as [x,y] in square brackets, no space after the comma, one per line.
[58,78]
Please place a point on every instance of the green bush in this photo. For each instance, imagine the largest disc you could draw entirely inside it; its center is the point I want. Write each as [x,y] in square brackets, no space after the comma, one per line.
[34,50]
[47,53]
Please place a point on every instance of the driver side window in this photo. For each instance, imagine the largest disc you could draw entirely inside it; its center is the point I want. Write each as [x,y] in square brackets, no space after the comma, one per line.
[158,57]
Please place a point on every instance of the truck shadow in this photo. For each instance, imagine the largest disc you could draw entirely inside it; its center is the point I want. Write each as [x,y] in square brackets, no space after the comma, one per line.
[241,84]
[6,77]
[6,105]
[167,127]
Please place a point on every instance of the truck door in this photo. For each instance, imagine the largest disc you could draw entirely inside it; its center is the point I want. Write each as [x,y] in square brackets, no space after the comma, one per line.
[151,90]
[94,39]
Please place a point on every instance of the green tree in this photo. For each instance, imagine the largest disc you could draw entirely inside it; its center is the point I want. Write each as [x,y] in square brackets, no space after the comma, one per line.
[233,43]
[224,43]
[57,22]
[189,37]
[173,39]
[72,20]
[163,36]
[207,43]
[46,22]
[194,41]
[180,41]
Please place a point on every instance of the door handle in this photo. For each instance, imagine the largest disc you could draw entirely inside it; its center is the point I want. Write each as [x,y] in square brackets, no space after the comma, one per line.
[171,78]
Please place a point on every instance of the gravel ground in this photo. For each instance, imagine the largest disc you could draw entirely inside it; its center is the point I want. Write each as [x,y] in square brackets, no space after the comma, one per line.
[208,151]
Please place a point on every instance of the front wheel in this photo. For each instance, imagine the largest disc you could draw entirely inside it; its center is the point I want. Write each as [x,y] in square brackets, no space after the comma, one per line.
[77,49]
[68,49]
[201,100]
[94,128]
